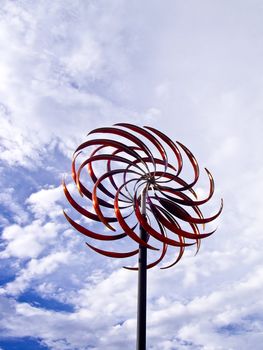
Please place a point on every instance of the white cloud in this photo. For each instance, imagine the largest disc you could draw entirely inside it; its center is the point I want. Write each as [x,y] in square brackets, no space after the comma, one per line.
[106,311]
[88,58]
[18,147]
[35,269]
[28,241]
[46,202]
[47,68]
[7,200]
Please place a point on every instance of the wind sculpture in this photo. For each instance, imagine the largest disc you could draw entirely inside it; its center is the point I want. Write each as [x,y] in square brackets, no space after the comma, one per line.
[140,196]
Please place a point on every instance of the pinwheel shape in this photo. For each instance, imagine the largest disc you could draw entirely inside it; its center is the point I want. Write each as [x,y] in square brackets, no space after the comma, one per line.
[119,166]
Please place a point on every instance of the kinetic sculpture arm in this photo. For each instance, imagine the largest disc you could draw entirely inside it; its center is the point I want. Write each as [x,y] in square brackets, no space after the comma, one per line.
[127,166]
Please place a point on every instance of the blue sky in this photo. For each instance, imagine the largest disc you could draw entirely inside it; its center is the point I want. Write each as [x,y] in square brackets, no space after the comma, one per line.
[192,69]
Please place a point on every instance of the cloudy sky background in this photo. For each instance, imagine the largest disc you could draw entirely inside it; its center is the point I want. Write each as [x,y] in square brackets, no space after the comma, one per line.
[192,69]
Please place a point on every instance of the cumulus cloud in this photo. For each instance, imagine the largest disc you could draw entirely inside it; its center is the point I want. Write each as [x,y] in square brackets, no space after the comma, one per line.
[106,317]
[28,241]
[8,201]
[55,82]
[46,203]
[36,268]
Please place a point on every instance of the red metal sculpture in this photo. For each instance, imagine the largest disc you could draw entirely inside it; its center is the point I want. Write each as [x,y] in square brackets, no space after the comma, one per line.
[137,192]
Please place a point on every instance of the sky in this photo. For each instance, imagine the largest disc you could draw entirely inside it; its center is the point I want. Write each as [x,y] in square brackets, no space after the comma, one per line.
[192,69]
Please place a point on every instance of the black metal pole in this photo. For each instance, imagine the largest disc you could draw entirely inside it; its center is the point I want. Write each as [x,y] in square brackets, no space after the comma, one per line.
[142,285]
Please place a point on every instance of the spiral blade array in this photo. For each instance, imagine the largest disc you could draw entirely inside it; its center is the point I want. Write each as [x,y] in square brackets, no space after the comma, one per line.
[119,166]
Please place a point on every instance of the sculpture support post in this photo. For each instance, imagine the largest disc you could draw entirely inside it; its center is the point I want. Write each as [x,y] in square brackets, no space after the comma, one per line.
[142,284]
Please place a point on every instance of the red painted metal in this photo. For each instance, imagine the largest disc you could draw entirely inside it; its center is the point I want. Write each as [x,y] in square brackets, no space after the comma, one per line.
[117,167]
